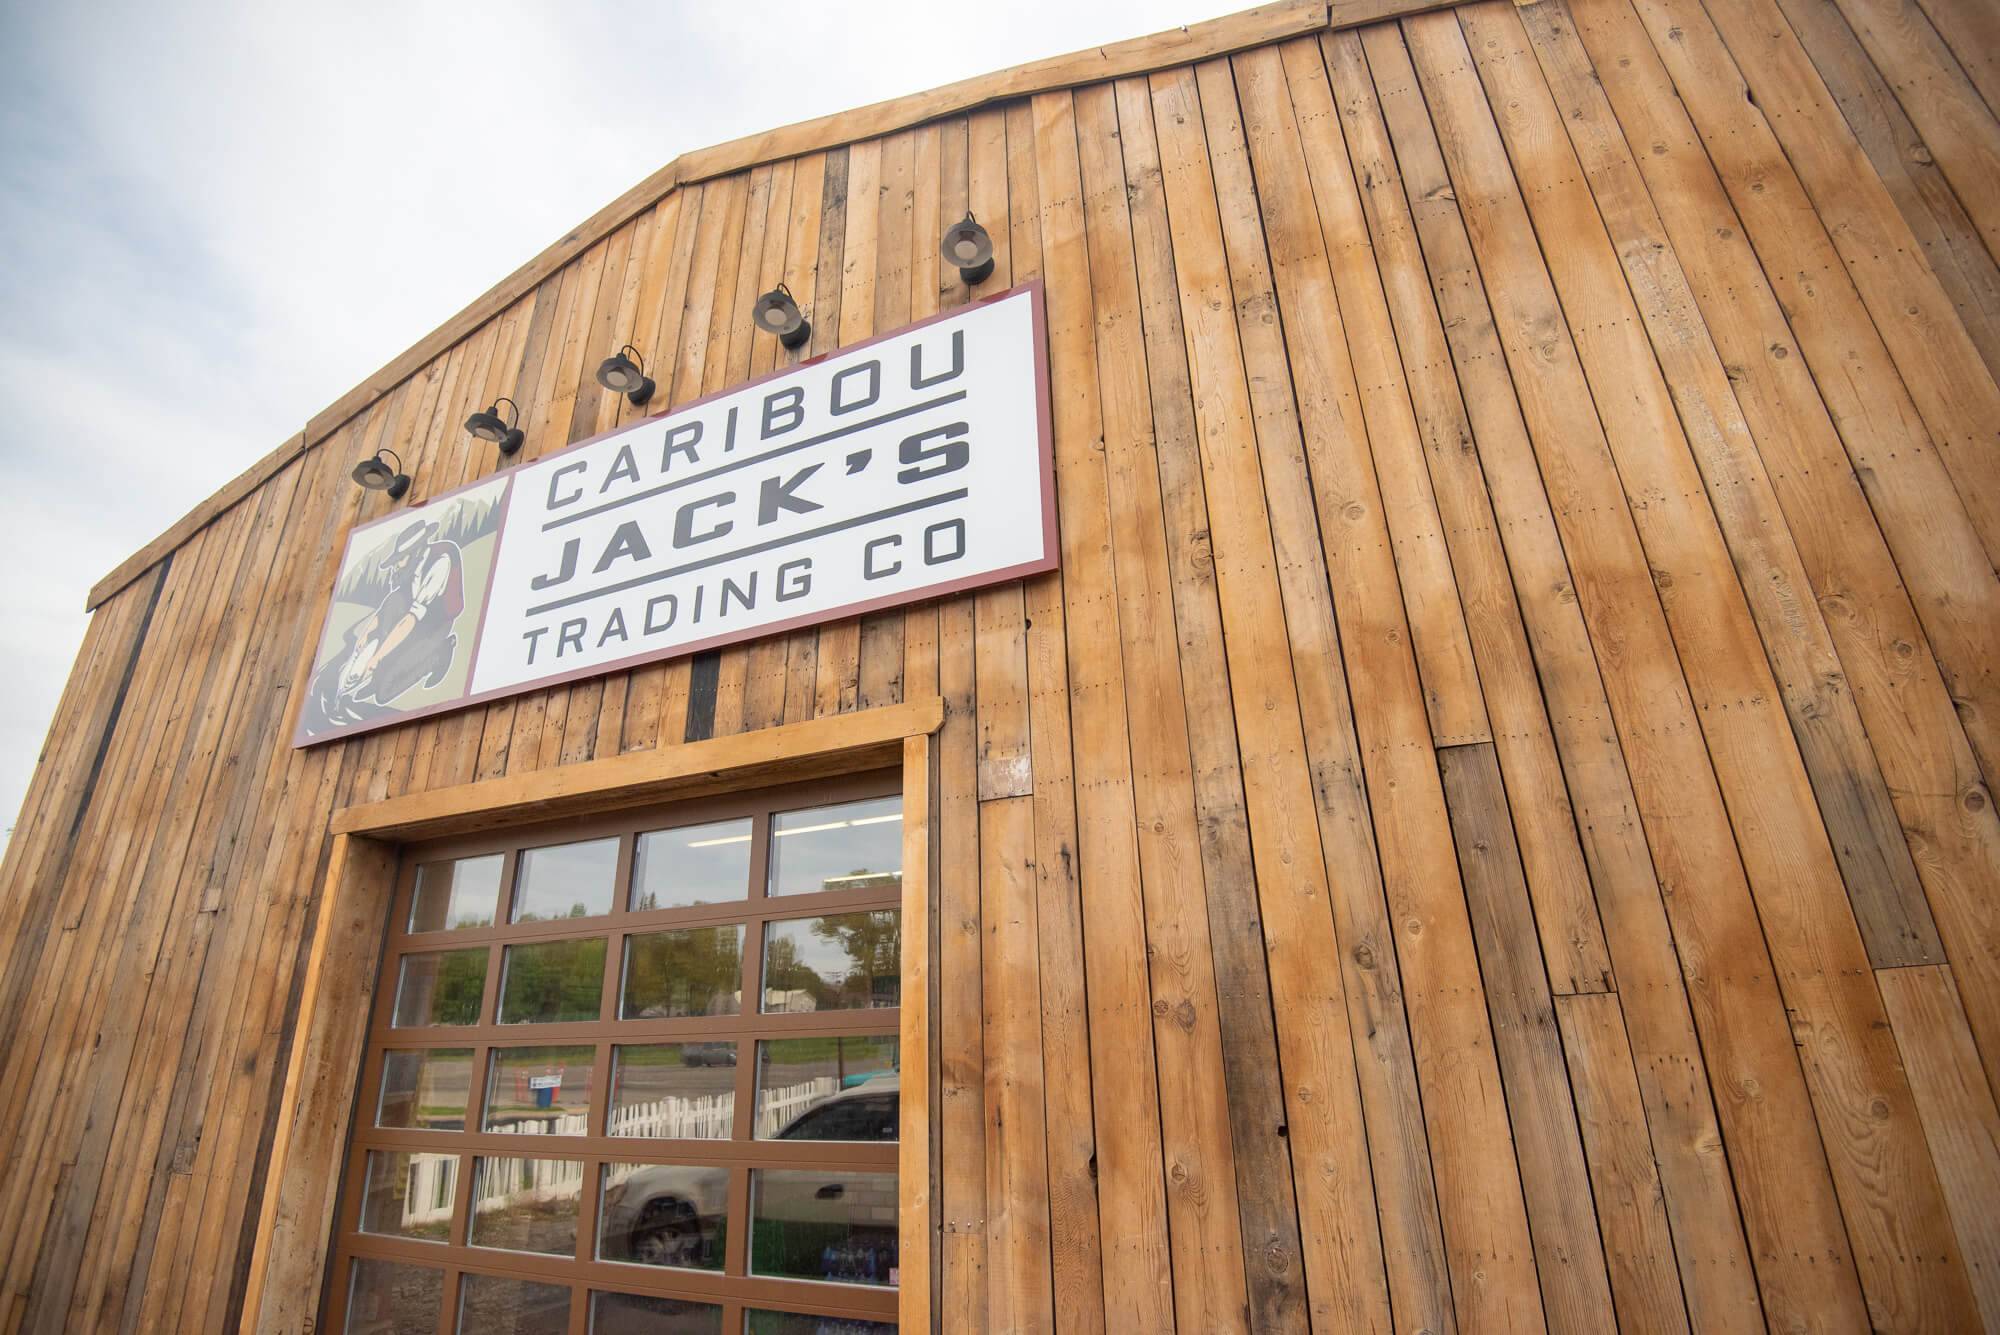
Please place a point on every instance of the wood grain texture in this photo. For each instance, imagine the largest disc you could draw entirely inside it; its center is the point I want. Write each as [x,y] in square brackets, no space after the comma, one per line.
[1488,827]
[1569,1257]
[1490,452]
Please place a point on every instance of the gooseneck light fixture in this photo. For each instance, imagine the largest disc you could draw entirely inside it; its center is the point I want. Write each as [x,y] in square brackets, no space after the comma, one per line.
[376,474]
[776,313]
[486,425]
[626,375]
[967,245]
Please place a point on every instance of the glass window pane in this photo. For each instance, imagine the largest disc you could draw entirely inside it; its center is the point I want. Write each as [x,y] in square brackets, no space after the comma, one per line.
[552,982]
[801,1323]
[445,987]
[409,1195]
[849,961]
[823,1223]
[855,846]
[544,1090]
[490,1305]
[630,1314]
[425,1090]
[566,881]
[693,971]
[526,1205]
[697,864]
[393,1298]
[664,1214]
[834,1087]
[453,895]
[674,1091]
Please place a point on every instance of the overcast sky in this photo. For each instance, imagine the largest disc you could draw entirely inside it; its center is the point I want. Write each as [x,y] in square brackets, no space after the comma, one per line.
[219,218]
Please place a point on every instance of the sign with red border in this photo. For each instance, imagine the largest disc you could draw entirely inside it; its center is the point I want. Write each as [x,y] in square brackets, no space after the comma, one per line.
[911,466]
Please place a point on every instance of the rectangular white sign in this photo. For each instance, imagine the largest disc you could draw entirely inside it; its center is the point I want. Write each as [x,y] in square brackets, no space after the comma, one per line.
[901,469]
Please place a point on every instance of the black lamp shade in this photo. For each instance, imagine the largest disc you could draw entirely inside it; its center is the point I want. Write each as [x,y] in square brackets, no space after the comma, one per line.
[487,425]
[375,474]
[776,313]
[967,245]
[623,375]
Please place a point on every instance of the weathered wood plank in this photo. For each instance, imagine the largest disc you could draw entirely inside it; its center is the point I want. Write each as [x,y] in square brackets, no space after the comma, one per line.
[1746,51]
[1952,246]
[1393,274]
[294,1232]
[1958,128]
[1956,1102]
[1389,511]
[915,1197]
[1117,503]
[1151,1273]
[1309,451]
[1000,176]
[1972,30]
[1805,1267]
[1865,1115]
[1169,757]
[1716,451]
[1570,1260]
[1625,1179]
[1938,548]
[458,810]
[1863,587]
[1276,626]
[1018,1294]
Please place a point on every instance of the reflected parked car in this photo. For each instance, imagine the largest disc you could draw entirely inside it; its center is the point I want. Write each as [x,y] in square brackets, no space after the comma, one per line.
[868,1111]
[667,1214]
[708,1054]
[836,1224]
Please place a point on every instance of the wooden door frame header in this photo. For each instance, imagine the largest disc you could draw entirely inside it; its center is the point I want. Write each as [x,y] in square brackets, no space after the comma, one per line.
[296,1222]
[1137,56]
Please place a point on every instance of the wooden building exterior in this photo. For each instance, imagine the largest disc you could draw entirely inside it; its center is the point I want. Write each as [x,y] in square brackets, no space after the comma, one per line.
[1488,828]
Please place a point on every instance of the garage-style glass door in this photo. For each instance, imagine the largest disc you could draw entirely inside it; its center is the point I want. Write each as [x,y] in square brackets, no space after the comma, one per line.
[637,1075]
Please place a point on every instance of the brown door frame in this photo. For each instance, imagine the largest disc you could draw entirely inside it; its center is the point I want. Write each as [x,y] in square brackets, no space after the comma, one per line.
[295,1228]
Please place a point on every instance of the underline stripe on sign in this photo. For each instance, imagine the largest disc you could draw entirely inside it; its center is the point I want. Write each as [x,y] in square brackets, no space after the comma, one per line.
[750,459]
[756,549]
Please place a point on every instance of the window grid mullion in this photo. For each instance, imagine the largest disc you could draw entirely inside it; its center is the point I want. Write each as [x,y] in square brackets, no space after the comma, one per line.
[733,1288]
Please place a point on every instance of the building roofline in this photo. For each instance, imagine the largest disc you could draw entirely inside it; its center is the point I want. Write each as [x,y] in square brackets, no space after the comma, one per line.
[1139,55]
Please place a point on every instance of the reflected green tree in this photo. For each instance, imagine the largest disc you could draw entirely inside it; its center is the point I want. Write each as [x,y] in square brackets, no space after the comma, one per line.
[554,981]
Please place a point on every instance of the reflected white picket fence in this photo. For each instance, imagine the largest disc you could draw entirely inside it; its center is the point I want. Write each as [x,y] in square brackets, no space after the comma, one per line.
[782,1106]
[434,1177]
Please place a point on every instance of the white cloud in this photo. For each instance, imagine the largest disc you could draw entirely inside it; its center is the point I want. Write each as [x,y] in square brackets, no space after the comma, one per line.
[218,218]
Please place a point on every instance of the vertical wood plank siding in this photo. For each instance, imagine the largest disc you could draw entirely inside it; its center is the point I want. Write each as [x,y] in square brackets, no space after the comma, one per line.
[1488,829]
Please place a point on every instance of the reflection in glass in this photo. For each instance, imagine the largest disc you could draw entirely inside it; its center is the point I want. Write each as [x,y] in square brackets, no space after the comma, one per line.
[393,1298]
[697,864]
[664,1214]
[674,1091]
[408,1195]
[454,895]
[444,987]
[552,982]
[631,1314]
[849,961]
[835,1087]
[827,1224]
[544,1090]
[425,1090]
[525,1205]
[801,1323]
[855,846]
[566,881]
[490,1305]
[693,971]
